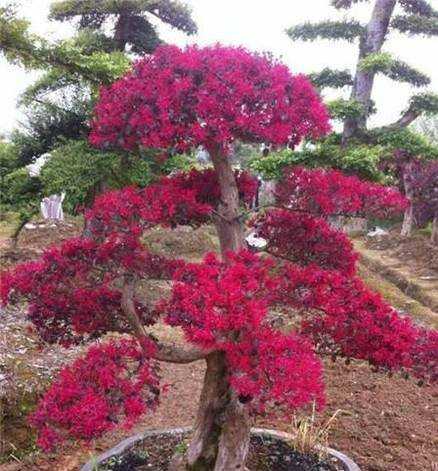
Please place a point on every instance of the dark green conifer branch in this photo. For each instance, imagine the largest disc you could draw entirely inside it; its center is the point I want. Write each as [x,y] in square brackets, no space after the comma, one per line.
[416,24]
[393,68]
[418,7]
[342,109]
[330,78]
[92,13]
[426,103]
[403,72]
[345,3]
[335,30]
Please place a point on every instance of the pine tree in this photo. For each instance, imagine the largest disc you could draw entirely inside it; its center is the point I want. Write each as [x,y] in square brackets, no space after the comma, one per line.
[411,17]
[132,19]
[418,18]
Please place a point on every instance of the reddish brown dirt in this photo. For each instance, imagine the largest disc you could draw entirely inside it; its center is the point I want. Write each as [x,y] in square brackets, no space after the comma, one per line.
[416,252]
[33,241]
[386,424]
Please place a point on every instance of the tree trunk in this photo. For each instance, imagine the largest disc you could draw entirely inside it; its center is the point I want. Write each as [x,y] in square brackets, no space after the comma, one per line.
[408,222]
[24,219]
[408,219]
[121,31]
[222,429]
[370,43]
[434,236]
[228,224]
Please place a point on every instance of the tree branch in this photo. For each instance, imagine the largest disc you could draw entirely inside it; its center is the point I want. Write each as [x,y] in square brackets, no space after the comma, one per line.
[407,118]
[416,24]
[168,352]
[422,103]
[172,353]
[335,30]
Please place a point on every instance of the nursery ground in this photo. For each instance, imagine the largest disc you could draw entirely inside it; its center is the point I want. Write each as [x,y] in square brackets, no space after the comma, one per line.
[385,424]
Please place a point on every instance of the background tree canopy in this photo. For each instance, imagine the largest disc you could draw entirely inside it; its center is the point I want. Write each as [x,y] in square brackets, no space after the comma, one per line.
[58,105]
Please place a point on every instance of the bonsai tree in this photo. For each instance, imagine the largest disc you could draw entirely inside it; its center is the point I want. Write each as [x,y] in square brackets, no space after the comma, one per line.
[420,184]
[426,204]
[132,25]
[89,286]
[360,149]
[416,17]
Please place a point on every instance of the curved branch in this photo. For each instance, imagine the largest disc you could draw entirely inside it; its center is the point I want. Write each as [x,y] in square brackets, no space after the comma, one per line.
[172,353]
[168,352]
[347,30]
[422,103]
[407,118]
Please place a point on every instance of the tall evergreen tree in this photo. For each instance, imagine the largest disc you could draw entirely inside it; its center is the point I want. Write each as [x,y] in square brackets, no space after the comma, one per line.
[58,105]
[411,17]
[78,66]
[417,17]
[131,19]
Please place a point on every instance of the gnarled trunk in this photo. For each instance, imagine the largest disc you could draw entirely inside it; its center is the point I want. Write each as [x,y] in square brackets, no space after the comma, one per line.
[228,224]
[434,236]
[408,219]
[221,433]
[121,31]
[370,43]
[222,429]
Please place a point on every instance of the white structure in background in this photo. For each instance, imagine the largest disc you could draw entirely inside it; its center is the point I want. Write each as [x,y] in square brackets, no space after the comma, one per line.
[51,207]
[255,242]
[202,156]
[377,232]
[266,193]
[34,169]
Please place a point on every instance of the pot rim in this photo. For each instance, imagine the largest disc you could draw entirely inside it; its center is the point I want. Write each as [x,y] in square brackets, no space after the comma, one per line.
[129,442]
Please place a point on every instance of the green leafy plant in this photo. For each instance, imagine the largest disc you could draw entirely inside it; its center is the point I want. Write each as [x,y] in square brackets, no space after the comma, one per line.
[19,189]
[80,171]
[342,109]
[8,158]
[377,62]
[331,78]
[181,448]
[358,159]
[334,30]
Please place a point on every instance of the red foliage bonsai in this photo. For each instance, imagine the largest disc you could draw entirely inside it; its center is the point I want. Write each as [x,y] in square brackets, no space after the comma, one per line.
[89,286]
[419,181]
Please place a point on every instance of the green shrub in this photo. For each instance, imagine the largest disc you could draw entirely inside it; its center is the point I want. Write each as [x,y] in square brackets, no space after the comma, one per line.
[341,109]
[19,189]
[8,158]
[83,171]
[410,141]
[360,160]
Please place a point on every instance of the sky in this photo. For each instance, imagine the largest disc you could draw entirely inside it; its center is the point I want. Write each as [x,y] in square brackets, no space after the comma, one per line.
[258,25]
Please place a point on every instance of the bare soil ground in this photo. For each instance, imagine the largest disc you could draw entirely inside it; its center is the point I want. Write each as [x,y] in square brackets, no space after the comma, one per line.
[421,255]
[409,263]
[386,424]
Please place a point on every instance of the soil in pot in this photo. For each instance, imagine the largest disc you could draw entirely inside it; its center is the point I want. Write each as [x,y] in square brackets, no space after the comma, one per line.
[266,454]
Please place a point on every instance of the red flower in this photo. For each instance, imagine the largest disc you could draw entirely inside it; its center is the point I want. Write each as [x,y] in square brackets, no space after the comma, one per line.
[305,240]
[210,96]
[113,384]
[329,193]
